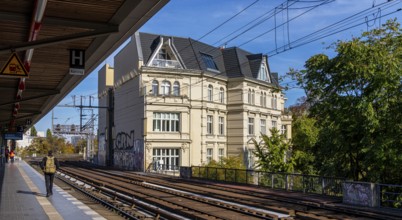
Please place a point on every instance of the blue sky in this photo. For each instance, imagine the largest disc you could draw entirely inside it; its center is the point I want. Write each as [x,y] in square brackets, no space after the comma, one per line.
[286,45]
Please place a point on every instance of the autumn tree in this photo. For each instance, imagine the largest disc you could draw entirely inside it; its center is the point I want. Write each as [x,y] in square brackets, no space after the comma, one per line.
[355,97]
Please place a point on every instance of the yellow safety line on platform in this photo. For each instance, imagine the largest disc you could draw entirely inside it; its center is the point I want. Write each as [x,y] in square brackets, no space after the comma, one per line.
[50,211]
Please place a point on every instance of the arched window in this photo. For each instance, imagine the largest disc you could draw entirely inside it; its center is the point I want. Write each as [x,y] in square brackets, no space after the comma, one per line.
[222,95]
[176,88]
[210,93]
[253,97]
[274,102]
[165,87]
[249,96]
[155,86]
[262,99]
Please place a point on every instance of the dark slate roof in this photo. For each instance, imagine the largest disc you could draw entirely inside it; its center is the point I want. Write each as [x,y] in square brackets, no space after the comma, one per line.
[231,62]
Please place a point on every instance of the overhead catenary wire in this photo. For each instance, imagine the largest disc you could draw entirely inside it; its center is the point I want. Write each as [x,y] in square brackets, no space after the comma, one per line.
[221,73]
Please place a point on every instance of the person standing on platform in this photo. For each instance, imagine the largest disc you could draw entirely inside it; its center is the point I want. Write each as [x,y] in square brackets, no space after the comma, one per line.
[6,154]
[12,155]
[49,165]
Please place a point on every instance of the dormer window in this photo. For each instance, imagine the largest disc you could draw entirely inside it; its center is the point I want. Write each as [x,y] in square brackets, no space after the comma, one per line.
[263,74]
[165,56]
[209,62]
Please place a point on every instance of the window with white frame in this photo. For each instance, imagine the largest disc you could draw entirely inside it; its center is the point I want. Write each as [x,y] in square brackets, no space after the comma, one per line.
[251,126]
[274,124]
[169,156]
[263,126]
[165,87]
[166,122]
[284,130]
[210,152]
[274,102]
[210,93]
[253,97]
[222,95]
[155,86]
[221,154]
[221,126]
[176,88]
[210,124]
[264,100]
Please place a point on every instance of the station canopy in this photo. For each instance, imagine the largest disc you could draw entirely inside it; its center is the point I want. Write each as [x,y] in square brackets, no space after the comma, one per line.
[36,38]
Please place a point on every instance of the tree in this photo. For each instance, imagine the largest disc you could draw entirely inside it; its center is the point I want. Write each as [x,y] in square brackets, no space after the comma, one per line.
[33,132]
[304,138]
[356,99]
[272,153]
[48,133]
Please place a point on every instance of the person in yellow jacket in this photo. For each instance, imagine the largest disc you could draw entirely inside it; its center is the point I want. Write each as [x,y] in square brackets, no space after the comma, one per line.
[49,165]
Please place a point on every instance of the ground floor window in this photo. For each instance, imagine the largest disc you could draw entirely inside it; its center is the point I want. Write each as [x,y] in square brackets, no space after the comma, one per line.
[166,158]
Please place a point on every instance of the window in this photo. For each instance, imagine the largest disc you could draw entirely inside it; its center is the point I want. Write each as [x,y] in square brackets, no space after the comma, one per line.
[263,126]
[253,97]
[165,87]
[263,74]
[176,88]
[249,96]
[166,122]
[210,152]
[221,126]
[221,154]
[169,156]
[210,93]
[155,86]
[274,102]
[251,126]
[284,130]
[163,55]
[209,61]
[264,99]
[210,119]
[222,95]
[274,124]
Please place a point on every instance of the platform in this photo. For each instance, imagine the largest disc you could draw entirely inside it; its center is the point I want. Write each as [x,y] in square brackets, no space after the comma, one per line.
[23,196]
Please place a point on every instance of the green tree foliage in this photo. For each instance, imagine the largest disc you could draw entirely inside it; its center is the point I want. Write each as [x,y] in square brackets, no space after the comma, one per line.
[231,162]
[356,99]
[272,153]
[304,138]
[48,133]
[81,145]
[34,133]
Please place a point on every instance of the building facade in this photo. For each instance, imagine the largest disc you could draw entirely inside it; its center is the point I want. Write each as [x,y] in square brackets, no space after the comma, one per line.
[180,102]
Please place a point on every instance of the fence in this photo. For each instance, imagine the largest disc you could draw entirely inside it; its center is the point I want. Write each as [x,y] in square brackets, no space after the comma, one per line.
[390,195]
[292,182]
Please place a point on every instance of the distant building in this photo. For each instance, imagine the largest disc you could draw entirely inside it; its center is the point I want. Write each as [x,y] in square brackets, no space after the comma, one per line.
[187,103]
[27,138]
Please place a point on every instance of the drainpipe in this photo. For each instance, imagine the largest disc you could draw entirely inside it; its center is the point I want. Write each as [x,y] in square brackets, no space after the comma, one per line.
[36,24]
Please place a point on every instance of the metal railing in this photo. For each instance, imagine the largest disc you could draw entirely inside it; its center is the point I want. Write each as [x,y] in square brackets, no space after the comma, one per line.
[293,182]
[172,170]
[166,63]
[390,195]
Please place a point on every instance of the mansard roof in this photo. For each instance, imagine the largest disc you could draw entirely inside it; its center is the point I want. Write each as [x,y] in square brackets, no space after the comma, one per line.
[231,62]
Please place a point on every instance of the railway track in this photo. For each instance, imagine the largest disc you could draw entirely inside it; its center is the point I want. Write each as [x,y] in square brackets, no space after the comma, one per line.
[139,196]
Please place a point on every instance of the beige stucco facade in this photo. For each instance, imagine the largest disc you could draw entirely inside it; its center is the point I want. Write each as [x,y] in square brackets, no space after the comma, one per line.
[204,117]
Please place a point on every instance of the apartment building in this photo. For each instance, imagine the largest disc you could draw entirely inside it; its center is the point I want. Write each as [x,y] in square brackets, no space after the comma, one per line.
[181,102]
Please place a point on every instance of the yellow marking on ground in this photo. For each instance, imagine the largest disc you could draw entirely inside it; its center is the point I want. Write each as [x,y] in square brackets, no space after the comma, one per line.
[49,209]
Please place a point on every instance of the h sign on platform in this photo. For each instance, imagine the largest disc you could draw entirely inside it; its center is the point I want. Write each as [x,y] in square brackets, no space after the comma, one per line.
[77,62]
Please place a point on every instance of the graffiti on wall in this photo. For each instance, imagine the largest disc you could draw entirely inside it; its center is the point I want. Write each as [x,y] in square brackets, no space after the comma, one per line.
[129,152]
[357,194]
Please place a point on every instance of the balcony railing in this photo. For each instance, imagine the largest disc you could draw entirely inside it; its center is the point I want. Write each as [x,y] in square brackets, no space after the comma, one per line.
[166,63]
